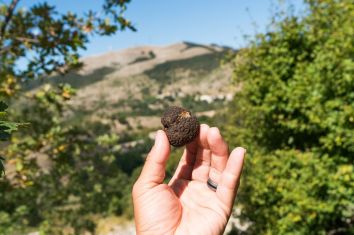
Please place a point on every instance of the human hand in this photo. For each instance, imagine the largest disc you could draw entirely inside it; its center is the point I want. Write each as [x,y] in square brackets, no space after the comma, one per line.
[186,205]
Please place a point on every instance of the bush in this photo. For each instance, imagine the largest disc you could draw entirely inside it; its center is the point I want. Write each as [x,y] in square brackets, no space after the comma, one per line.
[84,177]
[295,116]
[295,192]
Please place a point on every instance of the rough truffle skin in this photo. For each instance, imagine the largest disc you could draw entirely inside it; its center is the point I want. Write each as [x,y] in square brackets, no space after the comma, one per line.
[180,125]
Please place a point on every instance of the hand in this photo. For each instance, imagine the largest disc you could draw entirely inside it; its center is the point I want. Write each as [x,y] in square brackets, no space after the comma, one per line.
[186,205]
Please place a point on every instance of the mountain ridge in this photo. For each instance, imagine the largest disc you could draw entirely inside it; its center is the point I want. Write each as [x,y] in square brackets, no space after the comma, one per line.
[135,84]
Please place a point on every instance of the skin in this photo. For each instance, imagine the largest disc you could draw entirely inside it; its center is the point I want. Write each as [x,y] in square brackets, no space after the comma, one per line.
[186,205]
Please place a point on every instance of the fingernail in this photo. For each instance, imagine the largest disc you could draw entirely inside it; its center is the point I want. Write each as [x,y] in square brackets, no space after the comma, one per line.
[215,129]
[241,149]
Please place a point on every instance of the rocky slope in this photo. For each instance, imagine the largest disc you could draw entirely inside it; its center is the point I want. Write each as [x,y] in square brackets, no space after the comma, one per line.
[130,88]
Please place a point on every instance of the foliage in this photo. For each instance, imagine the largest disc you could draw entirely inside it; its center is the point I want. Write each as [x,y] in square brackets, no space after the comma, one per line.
[46,40]
[63,175]
[54,168]
[2,169]
[295,192]
[295,116]
[6,128]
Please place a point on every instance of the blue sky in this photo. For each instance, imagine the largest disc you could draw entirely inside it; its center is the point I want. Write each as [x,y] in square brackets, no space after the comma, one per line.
[162,22]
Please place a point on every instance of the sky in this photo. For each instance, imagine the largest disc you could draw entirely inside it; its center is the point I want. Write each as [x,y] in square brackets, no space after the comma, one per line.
[164,22]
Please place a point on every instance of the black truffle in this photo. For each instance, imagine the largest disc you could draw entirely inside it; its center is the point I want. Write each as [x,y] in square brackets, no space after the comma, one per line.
[180,125]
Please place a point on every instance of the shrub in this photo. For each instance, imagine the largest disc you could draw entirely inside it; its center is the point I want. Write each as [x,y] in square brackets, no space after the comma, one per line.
[295,116]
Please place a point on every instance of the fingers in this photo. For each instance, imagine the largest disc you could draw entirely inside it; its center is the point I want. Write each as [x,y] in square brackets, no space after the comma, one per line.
[153,172]
[186,163]
[203,158]
[192,155]
[219,154]
[230,177]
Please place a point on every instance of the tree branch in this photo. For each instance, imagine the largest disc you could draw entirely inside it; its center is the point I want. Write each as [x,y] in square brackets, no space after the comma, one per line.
[8,17]
[23,39]
[4,49]
[20,39]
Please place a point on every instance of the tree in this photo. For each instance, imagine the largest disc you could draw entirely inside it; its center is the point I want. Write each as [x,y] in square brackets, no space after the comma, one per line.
[63,175]
[47,41]
[295,116]
[6,128]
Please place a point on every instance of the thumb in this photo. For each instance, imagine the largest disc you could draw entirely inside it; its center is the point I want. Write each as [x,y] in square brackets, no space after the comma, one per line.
[153,172]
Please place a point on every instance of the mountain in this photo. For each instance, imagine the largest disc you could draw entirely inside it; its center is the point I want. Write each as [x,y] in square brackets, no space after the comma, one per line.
[129,89]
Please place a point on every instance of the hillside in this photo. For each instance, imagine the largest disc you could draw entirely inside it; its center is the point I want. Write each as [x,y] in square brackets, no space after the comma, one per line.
[130,88]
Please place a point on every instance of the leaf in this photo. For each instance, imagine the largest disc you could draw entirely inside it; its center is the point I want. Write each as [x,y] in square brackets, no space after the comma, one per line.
[2,168]
[19,166]
[6,128]
[3,106]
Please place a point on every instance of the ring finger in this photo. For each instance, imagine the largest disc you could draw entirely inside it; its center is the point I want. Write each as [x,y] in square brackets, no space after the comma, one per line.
[219,154]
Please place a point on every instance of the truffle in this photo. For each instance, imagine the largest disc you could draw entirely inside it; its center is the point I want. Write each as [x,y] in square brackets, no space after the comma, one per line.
[180,125]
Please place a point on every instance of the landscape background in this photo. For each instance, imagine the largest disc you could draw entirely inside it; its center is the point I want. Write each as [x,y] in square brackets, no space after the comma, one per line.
[76,129]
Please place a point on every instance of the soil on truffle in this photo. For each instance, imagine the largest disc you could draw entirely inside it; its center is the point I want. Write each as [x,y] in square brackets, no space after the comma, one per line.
[180,125]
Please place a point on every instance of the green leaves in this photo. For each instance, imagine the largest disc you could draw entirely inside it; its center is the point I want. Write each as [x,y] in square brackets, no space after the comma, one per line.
[6,127]
[45,40]
[2,168]
[52,39]
[3,107]
[294,189]
[295,116]
[65,170]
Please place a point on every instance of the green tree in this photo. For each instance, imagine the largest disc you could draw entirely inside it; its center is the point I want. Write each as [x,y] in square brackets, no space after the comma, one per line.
[62,175]
[6,128]
[295,115]
[47,41]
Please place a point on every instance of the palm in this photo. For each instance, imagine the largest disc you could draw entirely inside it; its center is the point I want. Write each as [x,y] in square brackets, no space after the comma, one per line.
[200,209]
[186,205]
